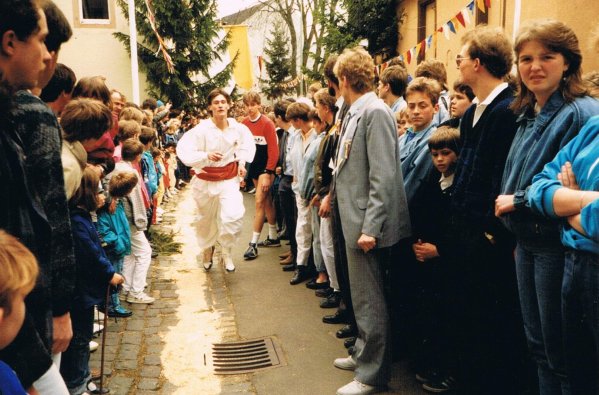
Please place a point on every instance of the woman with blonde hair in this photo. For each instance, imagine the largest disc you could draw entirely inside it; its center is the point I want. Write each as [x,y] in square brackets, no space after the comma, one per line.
[553,105]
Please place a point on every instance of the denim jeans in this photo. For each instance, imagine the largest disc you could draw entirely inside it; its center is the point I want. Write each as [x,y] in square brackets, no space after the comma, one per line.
[580,309]
[74,366]
[540,272]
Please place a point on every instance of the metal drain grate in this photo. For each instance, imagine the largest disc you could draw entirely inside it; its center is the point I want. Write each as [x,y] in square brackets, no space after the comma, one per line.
[246,356]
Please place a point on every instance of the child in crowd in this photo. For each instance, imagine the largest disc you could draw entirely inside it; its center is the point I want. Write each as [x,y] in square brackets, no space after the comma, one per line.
[148,168]
[173,169]
[422,96]
[160,171]
[131,114]
[83,122]
[113,228]
[402,117]
[127,129]
[430,218]
[171,131]
[94,274]
[137,264]
[461,99]
[18,273]
[435,70]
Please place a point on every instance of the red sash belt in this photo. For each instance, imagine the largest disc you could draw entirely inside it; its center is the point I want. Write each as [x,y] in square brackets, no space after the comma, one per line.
[218,173]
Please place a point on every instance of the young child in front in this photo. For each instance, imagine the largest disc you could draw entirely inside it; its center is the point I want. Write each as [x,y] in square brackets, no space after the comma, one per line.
[113,228]
[18,273]
[403,122]
[94,274]
[430,218]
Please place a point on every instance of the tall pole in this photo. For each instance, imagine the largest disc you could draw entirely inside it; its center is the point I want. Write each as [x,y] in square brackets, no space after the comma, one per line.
[133,45]
[517,13]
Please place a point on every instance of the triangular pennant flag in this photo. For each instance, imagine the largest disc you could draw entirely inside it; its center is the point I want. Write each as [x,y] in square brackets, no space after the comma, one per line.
[460,18]
[422,50]
[429,41]
[434,40]
[466,15]
[488,3]
[408,56]
[418,48]
[470,7]
[445,30]
[384,66]
[451,27]
[481,5]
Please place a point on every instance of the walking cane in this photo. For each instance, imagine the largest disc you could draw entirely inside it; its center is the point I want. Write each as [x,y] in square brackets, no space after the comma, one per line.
[101,390]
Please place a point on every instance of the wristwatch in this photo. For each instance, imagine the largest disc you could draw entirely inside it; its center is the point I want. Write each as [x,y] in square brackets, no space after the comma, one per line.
[268,171]
[520,200]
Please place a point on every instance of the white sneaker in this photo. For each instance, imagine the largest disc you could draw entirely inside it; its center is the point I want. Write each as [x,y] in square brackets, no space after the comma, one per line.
[93,346]
[98,327]
[229,266]
[357,388]
[345,363]
[140,298]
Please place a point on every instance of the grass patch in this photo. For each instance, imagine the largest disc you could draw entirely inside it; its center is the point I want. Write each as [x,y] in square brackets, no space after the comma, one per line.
[164,242]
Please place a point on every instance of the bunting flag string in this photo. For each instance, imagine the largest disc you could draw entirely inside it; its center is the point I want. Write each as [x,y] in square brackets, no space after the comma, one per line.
[170,65]
[459,21]
[260,60]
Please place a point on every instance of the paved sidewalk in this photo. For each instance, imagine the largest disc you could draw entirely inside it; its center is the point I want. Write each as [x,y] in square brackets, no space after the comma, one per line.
[163,347]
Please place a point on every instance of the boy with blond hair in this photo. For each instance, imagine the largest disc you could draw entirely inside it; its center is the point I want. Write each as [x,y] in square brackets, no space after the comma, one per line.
[18,273]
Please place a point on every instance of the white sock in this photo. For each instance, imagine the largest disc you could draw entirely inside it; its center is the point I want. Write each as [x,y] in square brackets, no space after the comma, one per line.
[255,237]
[272,232]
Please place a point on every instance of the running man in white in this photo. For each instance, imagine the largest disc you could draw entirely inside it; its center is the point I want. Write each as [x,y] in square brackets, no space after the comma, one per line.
[217,149]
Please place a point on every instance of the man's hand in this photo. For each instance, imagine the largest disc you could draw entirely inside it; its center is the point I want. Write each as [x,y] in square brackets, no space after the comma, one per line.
[63,332]
[242,173]
[117,279]
[325,207]
[424,251]
[366,243]
[504,204]
[265,181]
[315,202]
[215,156]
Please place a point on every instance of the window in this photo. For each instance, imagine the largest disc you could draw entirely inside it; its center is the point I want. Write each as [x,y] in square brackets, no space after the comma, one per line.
[94,12]
[427,21]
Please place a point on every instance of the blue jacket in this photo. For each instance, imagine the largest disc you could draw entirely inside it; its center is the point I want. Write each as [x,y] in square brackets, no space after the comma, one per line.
[94,270]
[148,169]
[583,153]
[307,179]
[416,162]
[114,231]
[537,141]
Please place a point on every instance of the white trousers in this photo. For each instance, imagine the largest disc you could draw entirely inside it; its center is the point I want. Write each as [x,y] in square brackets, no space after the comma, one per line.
[303,230]
[137,264]
[220,212]
[328,252]
[51,383]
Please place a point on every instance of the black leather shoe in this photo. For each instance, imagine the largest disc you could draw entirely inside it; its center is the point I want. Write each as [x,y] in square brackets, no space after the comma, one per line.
[332,301]
[301,275]
[349,342]
[346,331]
[289,268]
[337,318]
[323,293]
[312,284]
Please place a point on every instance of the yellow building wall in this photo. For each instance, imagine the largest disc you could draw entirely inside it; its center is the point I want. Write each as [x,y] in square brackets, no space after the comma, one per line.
[94,51]
[580,15]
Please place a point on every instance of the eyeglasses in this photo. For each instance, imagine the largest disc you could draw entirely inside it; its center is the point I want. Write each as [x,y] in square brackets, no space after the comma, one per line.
[459,59]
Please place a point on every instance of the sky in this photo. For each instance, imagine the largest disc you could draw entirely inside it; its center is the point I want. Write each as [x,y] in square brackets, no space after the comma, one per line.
[228,7]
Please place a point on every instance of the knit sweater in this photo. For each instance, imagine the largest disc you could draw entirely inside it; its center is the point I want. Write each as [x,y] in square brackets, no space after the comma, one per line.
[265,137]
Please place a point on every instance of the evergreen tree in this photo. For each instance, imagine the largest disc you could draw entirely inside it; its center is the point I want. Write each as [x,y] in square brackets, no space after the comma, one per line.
[278,66]
[190,30]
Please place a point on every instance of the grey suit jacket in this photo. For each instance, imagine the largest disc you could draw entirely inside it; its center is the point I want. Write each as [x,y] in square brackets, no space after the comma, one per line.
[368,178]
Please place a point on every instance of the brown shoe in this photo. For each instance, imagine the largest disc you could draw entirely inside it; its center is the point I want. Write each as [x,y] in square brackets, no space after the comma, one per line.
[285,254]
[95,373]
[287,260]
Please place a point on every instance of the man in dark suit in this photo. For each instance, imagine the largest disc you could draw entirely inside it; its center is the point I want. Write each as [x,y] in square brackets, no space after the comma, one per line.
[373,213]
[487,316]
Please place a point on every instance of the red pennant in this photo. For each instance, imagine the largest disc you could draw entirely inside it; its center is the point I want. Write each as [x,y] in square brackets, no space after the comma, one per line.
[460,18]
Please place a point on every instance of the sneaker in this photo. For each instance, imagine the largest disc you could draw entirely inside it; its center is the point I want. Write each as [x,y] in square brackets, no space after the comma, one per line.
[268,242]
[141,298]
[229,266]
[439,386]
[357,388]
[251,252]
[347,363]
[93,346]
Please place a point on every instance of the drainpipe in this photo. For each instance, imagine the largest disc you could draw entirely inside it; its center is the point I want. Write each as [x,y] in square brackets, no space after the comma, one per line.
[517,14]
[133,45]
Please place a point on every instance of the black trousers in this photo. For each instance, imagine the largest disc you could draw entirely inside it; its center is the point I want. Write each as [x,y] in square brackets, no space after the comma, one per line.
[289,208]
[346,307]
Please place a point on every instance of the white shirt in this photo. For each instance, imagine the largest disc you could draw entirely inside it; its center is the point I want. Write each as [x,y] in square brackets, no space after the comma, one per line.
[482,106]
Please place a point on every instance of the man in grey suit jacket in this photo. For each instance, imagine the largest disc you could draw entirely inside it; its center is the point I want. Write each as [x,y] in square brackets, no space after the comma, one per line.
[374,215]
